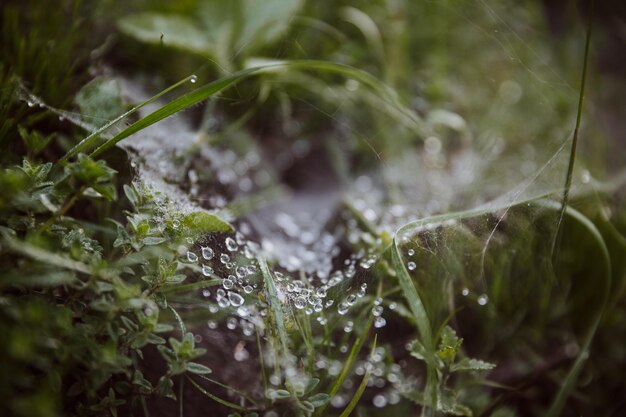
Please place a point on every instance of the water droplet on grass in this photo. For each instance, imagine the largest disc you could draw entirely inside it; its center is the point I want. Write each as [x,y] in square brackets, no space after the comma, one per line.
[192,257]
[207,270]
[235,299]
[300,302]
[193,79]
[483,299]
[207,253]
[231,245]
[411,266]
[380,322]
[228,283]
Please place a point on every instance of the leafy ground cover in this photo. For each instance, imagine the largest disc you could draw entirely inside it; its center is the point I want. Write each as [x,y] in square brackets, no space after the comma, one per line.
[293,208]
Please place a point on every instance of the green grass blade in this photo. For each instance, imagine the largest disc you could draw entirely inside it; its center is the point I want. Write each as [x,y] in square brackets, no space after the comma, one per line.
[89,141]
[191,286]
[275,305]
[175,106]
[202,93]
[354,351]
[216,398]
[568,384]
[228,387]
[361,389]
[572,156]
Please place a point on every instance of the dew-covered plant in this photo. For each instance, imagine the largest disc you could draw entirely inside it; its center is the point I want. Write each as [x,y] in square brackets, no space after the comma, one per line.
[284,209]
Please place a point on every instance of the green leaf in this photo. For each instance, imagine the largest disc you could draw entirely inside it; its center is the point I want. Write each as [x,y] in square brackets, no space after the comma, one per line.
[307,407]
[153,240]
[264,22]
[165,387]
[171,30]
[310,385]
[202,222]
[361,388]
[89,171]
[132,195]
[467,364]
[34,140]
[418,350]
[100,101]
[281,394]
[197,368]
[447,403]
[319,400]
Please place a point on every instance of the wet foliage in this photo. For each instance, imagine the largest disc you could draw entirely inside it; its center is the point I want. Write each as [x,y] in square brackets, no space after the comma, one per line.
[284,208]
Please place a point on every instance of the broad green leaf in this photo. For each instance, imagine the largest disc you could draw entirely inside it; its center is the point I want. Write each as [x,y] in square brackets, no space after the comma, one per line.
[170,30]
[202,222]
[264,21]
[100,101]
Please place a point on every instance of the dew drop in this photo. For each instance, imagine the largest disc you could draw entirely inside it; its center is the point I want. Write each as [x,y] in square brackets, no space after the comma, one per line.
[379,401]
[228,283]
[193,79]
[348,327]
[241,271]
[231,245]
[207,253]
[192,257]
[411,252]
[300,302]
[350,300]
[343,308]
[483,299]
[248,289]
[235,299]
[207,270]
[411,266]
[465,292]
[380,322]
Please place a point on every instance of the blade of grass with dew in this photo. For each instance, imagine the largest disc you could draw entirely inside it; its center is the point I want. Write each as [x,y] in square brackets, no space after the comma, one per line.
[228,387]
[354,351]
[191,286]
[215,397]
[208,90]
[275,305]
[421,319]
[90,140]
[361,389]
[568,383]
[572,156]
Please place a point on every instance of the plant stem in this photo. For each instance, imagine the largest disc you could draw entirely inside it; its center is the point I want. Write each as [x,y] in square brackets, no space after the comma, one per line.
[572,155]
[60,212]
